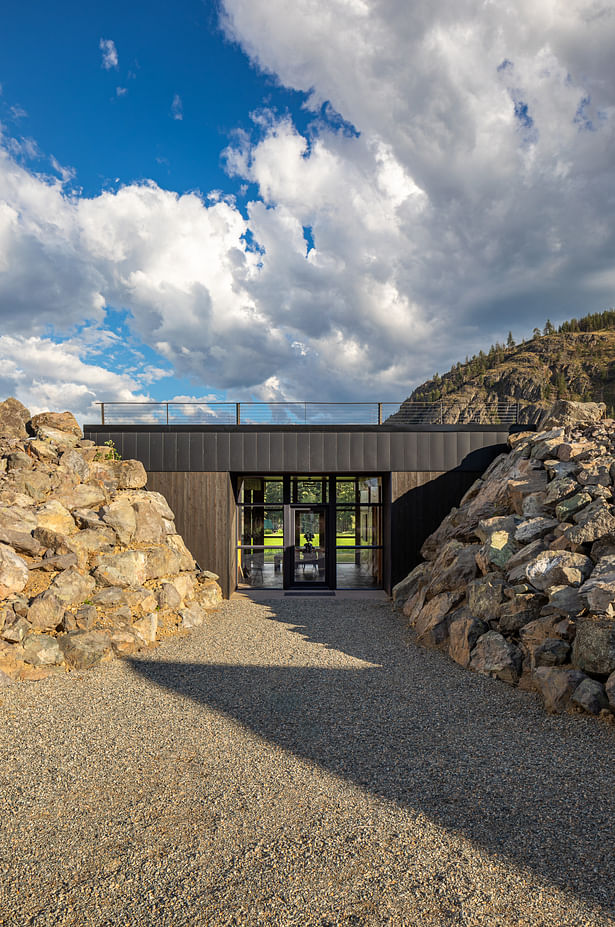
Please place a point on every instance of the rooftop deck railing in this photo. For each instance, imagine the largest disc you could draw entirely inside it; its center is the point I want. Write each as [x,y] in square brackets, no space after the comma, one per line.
[308,413]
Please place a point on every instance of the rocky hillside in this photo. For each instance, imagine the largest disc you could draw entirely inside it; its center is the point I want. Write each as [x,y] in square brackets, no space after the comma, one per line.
[91,565]
[518,583]
[562,365]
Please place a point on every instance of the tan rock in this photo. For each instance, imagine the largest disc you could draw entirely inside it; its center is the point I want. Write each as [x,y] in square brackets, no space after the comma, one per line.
[146,627]
[464,631]
[46,611]
[13,418]
[120,516]
[186,560]
[556,685]
[86,495]
[13,572]
[55,517]
[71,587]
[60,421]
[129,568]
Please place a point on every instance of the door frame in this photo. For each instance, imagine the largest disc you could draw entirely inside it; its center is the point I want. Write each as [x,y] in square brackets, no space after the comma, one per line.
[290,510]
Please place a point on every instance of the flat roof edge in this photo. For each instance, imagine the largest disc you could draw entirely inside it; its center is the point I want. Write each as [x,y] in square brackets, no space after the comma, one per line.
[251,429]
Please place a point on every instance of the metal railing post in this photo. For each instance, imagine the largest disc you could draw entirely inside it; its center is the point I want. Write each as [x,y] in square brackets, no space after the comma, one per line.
[441,413]
[102,413]
[380,413]
[238,413]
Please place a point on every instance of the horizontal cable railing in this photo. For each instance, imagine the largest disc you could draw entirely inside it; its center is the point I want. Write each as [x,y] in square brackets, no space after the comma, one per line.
[311,413]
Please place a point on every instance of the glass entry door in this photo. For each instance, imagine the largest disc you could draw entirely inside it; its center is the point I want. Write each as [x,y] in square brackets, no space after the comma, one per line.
[309,551]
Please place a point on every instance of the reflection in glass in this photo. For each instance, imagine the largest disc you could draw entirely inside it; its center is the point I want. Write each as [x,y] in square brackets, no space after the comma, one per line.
[260,567]
[358,568]
[257,490]
[309,547]
[362,489]
[361,525]
[309,489]
[262,525]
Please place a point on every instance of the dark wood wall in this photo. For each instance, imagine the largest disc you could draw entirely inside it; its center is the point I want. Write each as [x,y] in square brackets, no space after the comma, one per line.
[420,499]
[205,513]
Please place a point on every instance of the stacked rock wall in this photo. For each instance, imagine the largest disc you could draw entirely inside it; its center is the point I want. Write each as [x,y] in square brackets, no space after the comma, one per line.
[518,583]
[91,565]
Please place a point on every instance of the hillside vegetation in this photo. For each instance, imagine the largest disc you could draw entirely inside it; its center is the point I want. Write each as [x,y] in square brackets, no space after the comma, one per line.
[576,361]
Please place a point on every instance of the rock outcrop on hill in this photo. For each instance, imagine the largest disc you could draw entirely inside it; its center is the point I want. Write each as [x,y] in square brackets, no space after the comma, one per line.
[518,583]
[569,365]
[91,564]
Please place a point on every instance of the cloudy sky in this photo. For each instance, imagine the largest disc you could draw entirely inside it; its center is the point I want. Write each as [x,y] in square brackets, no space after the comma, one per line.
[317,199]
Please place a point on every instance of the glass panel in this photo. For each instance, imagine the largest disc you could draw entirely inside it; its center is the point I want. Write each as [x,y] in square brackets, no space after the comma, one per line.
[358,526]
[257,490]
[260,567]
[312,489]
[261,525]
[366,489]
[358,568]
[309,547]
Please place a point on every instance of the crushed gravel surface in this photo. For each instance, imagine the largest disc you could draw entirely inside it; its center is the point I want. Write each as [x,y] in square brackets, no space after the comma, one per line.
[300,762]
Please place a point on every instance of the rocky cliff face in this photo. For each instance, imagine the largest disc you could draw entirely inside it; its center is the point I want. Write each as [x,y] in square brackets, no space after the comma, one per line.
[572,365]
[91,565]
[518,583]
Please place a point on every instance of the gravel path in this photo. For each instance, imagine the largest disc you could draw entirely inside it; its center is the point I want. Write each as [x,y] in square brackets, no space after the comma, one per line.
[300,762]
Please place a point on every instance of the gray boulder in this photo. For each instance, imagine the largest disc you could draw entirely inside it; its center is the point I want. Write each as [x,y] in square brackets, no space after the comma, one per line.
[46,611]
[41,650]
[129,568]
[556,685]
[464,631]
[552,652]
[485,596]
[13,572]
[494,656]
[83,649]
[609,688]
[408,586]
[594,646]
[71,587]
[192,617]
[558,568]
[590,696]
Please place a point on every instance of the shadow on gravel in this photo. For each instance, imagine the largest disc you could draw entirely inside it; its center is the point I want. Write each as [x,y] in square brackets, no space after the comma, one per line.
[471,754]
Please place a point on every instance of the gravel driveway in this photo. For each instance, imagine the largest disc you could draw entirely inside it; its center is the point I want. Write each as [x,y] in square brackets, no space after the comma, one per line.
[300,762]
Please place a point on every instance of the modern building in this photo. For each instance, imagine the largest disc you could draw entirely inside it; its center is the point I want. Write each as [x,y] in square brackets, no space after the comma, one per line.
[305,506]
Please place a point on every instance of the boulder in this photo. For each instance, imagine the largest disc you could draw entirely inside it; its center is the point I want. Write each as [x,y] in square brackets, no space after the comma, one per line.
[590,696]
[162,562]
[532,529]
[55,517]
[209,594]
[59,421]
[461,569]
[149,526]
[464,631]
[556,685]
[192,616]
[185,583]
[560,489]
[146,627]
[496,551]
[16,630]
[552,652]
[132,475]
[120,516]
[518,611]
[46,611]
[558,568]
[551,626]
[76,464]
[485,596]
[88,543]
[186,560]
[13,572]
[566,412]
[596,472]
[129,568]
[520,490]
[168,596]
[407,587]
[41,650]
[494,656]
[18,460]
[83,649]
[71,587]
[85,496]
[432,623]
[593,522]
[594,646]
[58,439]
[13,418]
[564,601]
[21,542]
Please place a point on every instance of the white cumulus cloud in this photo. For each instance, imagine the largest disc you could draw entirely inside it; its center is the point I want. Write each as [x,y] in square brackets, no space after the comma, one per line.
[109,54]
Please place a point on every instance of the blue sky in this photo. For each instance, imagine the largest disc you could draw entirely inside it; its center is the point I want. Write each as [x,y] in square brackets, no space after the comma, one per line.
[324,200]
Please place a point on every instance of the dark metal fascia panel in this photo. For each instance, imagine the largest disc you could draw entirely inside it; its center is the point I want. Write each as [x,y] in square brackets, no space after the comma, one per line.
[183,451]
[143,442]
[263,455]
[276,451]
[370,452]
[436,451]
[290,461]
[236,456]
[169,452]
[129,446]
[218,452]
[398,451]
[463,445]
[423,453]
[451,456]
[249,451]
[317,452]
[383,452]
[155,451]
[196,451]
[329,464]
[357,452]
[343,452]
[303,452]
